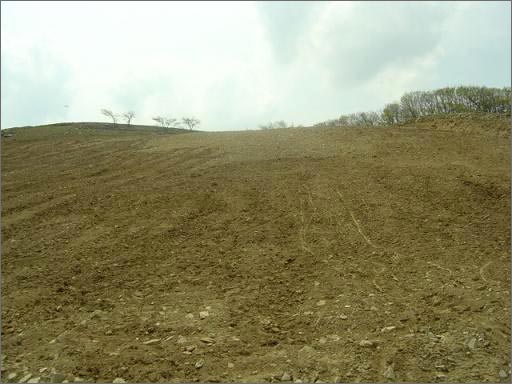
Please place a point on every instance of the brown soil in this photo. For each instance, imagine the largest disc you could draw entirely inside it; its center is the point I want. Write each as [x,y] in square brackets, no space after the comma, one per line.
[319,254]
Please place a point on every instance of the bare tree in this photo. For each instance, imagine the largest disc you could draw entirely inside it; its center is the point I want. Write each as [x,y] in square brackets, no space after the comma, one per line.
[129,116]
[169,122]
[190,122]
[160,120]
[109,113]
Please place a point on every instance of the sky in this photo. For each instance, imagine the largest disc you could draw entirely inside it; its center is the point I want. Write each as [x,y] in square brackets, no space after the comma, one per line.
[236,65]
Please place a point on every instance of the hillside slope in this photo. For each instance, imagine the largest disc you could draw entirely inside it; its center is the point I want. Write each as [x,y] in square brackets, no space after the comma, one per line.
[296,254]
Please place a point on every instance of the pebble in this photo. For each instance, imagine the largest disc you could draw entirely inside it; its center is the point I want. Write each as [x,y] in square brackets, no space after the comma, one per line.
[321,303]
[343,317]
[207,340]
[231,365]
[298,381]
[12,375]
[389,373]
[34,380]
[25,378]
[152,341]
[203,315]
[199,364]
[503,374]
[119,380]
[181,340]
[58,378]
[286,377]
[388,329]
[471,343]
[43,369]
[189,316]
[366,343]
[190,348]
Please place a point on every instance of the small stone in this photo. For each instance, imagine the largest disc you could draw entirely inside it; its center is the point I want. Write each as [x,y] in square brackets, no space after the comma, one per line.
[152,341]
[12,375]
[503,374]
[373,308]
[471,343]
[190,348]
[286,377]
[389,373]
[119,380]
[57,378]
[78,380]
[231,365]
[181,340]
[321,303]
[343,317]
[203,315]
[298,381]
[388,329]
[189,316]
[34,380]
[43,369]
[199,364]
[366,343]
[25,378]
[207,340]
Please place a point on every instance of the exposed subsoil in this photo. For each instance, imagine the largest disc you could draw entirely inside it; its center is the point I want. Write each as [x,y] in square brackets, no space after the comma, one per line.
[323,255]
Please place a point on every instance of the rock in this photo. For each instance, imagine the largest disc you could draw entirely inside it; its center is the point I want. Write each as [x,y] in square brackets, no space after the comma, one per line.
[199,364]
[503,374]
[231,365]
[43,369]
[119,380]
[471,343]
[12,375]
[190,348]
[207,340]
[389,373]
[321,303]
[25,378]
[298,381]
[34,380]
[286,377]
[343,317]
[388,329]
[203,315]
[58,378]
[366,343]
[152,341]
[78,380]
[181,340]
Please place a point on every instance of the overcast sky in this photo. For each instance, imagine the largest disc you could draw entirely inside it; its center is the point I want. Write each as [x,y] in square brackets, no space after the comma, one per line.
[235,65]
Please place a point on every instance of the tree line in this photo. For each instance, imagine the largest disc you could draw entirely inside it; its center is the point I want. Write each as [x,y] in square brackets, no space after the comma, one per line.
[443,101]
[166,122]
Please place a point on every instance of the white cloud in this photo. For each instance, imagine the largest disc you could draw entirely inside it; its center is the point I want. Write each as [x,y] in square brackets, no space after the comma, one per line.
[238,64]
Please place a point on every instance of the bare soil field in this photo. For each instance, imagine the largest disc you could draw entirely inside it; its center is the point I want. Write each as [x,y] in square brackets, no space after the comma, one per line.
[309,255]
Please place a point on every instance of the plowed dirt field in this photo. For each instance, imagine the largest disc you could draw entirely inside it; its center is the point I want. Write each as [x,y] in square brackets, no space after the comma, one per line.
[326,254]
